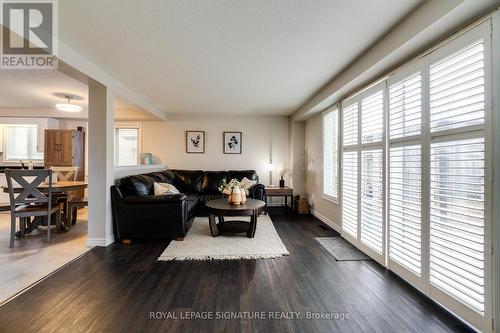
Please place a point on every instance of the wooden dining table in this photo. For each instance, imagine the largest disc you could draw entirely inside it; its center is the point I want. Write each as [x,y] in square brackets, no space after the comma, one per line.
[59,187]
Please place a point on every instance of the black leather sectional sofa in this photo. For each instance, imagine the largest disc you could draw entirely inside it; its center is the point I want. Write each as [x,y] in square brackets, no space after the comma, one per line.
[139,214]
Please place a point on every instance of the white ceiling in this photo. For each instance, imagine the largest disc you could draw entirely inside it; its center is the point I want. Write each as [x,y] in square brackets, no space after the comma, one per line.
[31,93]
[226,56]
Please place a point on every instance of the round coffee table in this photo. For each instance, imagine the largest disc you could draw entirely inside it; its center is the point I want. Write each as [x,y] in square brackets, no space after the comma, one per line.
[221,207]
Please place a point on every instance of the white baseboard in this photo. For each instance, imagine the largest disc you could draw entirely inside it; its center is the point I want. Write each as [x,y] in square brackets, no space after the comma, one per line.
[326,221]
[100,241]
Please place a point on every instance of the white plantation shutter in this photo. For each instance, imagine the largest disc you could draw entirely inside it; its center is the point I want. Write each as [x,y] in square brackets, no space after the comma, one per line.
[330,153]
[457,175]
[405,174]
[405,207]
[350,192]
[457,220]
[372,118]
[350,125]
[21,143]
[372,199]
[405,107]
[457,89]
[439,174]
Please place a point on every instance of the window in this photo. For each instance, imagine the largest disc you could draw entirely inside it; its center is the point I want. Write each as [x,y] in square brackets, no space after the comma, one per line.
[330,178]
[20,143]
[405,165]
[362,170]
[438,171]
[126,145]
[350,193]
[371,199]
[349,204]
[457,171]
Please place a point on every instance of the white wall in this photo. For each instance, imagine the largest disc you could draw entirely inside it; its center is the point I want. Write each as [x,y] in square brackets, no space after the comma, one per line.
[262,136]
[325,210]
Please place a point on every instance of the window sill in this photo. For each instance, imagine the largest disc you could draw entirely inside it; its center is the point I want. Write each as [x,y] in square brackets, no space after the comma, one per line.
[330,199]
[123,171]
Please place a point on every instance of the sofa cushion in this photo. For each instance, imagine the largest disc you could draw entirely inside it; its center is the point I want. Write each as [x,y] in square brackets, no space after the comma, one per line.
[141,185]
[203,198]
[188,181]
[192,205]
[154,199]
[169,177]
[240,174]
[212,180]
[164,189]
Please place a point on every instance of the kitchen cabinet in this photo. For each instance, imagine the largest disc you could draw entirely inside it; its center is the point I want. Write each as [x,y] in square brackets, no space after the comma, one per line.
[65,148]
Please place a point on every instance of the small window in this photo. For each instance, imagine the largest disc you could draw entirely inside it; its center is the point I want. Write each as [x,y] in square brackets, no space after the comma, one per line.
[126,146]
[20,143]
[330,154]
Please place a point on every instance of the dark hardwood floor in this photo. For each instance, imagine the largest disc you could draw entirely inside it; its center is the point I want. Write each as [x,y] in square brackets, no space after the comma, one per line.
[115,289]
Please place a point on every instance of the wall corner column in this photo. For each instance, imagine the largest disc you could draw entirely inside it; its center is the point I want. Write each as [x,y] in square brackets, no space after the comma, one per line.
[101,164]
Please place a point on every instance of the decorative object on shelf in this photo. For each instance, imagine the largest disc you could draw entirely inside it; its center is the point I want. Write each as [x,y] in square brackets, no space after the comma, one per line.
[234,186]
[243,196]
[147,158]
[232,142]
[236,196]
[282,171]
[195,142]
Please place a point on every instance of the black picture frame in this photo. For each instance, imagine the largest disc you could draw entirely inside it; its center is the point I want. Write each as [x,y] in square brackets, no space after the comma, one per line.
[232,142]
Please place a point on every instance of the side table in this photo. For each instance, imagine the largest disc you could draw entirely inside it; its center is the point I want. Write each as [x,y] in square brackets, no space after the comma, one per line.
[275,191]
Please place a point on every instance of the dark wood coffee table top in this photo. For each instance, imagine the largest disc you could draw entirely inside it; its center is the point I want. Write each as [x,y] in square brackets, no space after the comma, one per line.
[223,204]
[222,208]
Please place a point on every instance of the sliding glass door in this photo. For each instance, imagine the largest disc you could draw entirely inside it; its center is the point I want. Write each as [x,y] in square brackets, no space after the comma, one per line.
[416,173]
[363,216]
[459,108]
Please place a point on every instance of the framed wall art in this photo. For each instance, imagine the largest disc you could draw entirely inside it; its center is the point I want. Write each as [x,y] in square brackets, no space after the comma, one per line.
[195,142]
[232,142]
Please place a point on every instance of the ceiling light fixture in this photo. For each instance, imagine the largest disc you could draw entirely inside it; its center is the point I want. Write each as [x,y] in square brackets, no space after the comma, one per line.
[68,107]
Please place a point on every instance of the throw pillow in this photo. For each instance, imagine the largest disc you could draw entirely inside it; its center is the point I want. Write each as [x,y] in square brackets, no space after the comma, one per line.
[165,188]
[247,183]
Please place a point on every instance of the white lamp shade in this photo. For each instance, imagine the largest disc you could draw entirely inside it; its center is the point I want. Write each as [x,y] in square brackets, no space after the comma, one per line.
[66,107]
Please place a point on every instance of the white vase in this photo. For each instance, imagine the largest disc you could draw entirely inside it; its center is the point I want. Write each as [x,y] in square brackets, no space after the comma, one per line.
[236,196]
[243,196]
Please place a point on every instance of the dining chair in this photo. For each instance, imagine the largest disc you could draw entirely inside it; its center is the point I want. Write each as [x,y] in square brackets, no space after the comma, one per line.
[30,202]
[64,174]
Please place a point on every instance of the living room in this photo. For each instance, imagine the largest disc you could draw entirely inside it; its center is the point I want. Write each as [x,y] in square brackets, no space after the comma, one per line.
[250,166]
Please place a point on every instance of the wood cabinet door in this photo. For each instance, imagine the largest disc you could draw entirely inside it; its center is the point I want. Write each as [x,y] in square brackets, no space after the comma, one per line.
[66,148]
[51,155]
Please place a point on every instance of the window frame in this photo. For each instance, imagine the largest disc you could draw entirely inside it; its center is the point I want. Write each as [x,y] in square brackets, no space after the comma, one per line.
[359,147]
[335,155]
[127,125]
[5,142]
[411,140]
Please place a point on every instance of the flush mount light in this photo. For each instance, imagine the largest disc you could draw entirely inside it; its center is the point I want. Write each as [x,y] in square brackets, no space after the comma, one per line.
[68,107]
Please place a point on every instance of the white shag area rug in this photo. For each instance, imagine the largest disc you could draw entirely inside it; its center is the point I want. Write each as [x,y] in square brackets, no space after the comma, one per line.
[200,245]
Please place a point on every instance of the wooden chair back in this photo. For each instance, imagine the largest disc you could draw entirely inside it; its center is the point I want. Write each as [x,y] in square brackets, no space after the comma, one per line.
[30,193]
[65,173]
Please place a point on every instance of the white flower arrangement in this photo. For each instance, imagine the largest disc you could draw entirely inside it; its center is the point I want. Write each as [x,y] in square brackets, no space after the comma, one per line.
[227,188]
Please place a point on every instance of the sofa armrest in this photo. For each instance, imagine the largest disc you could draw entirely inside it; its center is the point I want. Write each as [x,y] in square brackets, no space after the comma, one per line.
[154,199]
[257,192]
